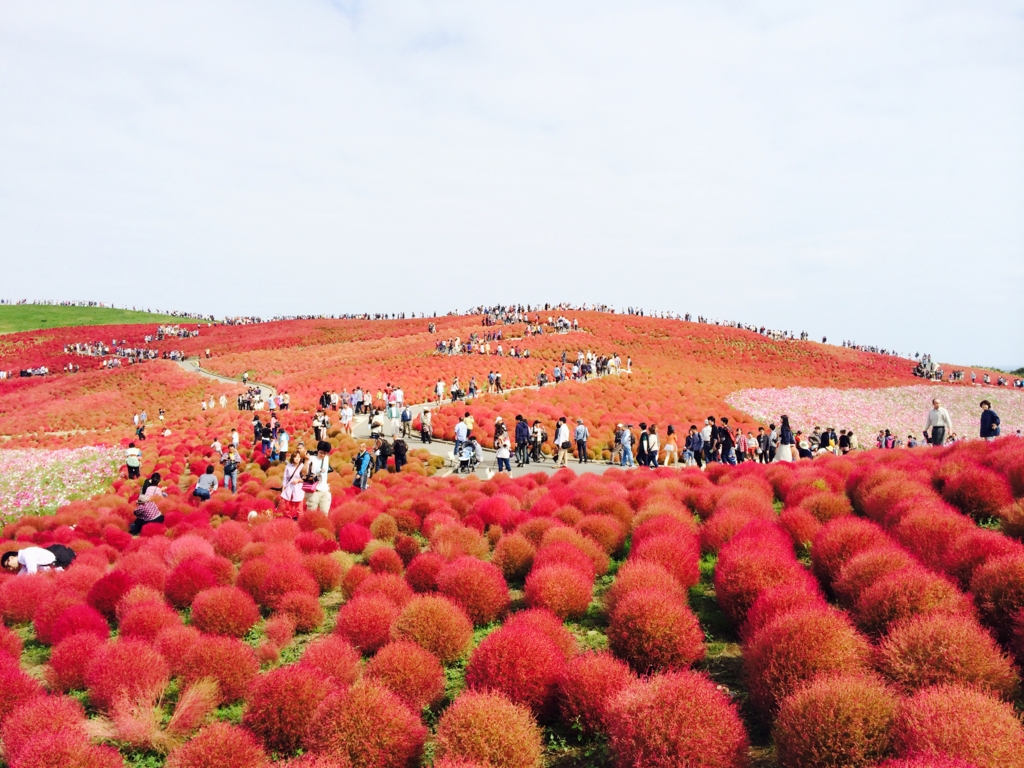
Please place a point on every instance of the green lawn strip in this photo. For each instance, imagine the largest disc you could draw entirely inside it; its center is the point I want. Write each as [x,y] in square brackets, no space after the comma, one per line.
[31,317]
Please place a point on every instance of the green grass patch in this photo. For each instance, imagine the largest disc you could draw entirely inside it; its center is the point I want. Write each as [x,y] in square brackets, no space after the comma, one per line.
[31,317]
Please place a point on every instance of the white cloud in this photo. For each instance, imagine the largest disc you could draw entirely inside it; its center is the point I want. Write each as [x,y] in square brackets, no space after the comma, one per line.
[855,170]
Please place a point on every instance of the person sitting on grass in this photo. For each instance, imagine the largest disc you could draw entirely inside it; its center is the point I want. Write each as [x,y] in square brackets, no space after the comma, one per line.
[206,484]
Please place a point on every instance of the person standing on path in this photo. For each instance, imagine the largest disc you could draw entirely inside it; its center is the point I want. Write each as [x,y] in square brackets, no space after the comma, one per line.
[133,460]
[426,426]
[461,435]
[291,486]
[787,443]
[522,441]
[362,466]
[938,424]
[627,446]
[582,435]
[989,421]
[671,447]
[562,440]
[642,446]
[318,468]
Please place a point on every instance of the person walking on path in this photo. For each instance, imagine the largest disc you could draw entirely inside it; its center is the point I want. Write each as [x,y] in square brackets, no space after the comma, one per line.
[938,424]
[426,430]
[627,446]
[317,469]
[522,436]
[401,451]
[642,446]
[653,446]
[461,435]
[362,466]
[562,440]
[582,435]
[989,422]
[133,460]
[502,446]
[291,486]
[787,443]
[671,447]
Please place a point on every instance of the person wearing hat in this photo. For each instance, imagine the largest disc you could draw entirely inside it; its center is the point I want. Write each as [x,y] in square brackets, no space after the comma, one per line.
[316,473]
[522,435]
[582,435]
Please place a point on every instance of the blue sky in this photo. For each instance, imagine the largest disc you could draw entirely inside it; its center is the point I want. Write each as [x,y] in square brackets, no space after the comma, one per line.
[855,170]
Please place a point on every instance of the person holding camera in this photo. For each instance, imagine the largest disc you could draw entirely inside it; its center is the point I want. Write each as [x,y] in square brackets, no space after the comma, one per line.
[314,484]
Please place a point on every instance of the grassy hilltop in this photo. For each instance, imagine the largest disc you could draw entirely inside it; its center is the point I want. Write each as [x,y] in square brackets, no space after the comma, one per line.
[29,317]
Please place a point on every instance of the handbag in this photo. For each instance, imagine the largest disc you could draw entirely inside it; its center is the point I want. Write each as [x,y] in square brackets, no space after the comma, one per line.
[565,445]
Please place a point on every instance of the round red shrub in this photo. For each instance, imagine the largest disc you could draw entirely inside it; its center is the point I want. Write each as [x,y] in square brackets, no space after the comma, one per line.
[129,668]
[40,715]
[421,574]
[369,726]
[674,720]
[387,585]
[304,609]
[563,590]
[186,581]
[281,704]
[910,592]
[746,568]
[365,621]
[174,644]
[334,658]
[655,631]
[927,761]
[105,594]
[548,624]
[325,570]
[68,660]
[145,621]
[490,730]
[800,524]
[410,672]
[219,745]
[17,687]
[514,554]
[354,538]
[46,615]
[959,722]
[282,577]
[21,596]
[679,555]
[79,618]
[564,553]
[633,576]
[230,539]
[520,663]
[826,506]
[973,548]
[774,602]
[840,540]
[10,643]
[477,586]
[230,662]
[353,577]
[280,631]
[930,534]
[407,548]
[932,649]
[588,685]
[836,720]
[977,491]
[998,588]
[436,624]
[386,560]
[865,568]
[720,529]
[224,611]
[795,648]
[605,530]
[67,749]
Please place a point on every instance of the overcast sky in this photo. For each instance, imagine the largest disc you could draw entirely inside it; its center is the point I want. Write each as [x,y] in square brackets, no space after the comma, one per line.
[852,169]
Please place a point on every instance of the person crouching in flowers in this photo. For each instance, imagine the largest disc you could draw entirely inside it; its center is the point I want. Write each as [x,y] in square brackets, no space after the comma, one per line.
[146,510]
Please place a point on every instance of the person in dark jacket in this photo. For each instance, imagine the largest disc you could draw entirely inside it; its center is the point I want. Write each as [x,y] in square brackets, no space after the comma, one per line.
[522,435]
[989,421]
[401,451]
[642,446]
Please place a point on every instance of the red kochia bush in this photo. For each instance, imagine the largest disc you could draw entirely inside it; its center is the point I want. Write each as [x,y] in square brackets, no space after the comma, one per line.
[746,568]
[174,644]
[409,671]
[108,590]
[865,568]
[977,491]
[998,588]
[230,662]
[79,618]
[68,661]
[17,687]
[654,631]
[368,726]
[421,573]
[304,609]
[66,748]
[840,540]
[549,625]
[960,722]
[932,649]
[679,555]
[10,643]
[333,658]
[489,730]
[436,624]
[148,619]
[389,585]
[386,560]
[930,534]
[514,554]
[19,597]
[973,548]
[774,602]
[910,592]
[477,586]
[797,647]
[641,575]
[186,581]
[281,704]
[927,761]
[564,553]
[588,685]
[836,720]
[325,570]
[365,621]
[37,716]
[519,662]
[561,589]
[130,668]
[46,615]
[224,611]
[283,577]
[676,719]
[354,538]
[217,745]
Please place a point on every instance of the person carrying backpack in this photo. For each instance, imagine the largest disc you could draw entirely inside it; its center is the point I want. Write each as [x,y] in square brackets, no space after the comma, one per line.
[361,463]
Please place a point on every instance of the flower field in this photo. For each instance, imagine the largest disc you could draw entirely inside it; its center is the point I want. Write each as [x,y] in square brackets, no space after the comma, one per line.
[863,611]
[36,481]
[901,409]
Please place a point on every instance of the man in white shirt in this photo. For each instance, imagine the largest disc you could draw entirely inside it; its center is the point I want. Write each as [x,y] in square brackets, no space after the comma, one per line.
[29,560]
[133,460]
[461,433]
[562,440]
[320,498]
[938,424]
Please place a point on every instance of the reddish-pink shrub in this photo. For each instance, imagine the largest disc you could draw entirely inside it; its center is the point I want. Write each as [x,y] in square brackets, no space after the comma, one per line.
[174,644]
[281,577]
[564,553]
[973,548]
[795,648]
[929,534]
[407,548]
[79,618]
[369,726]
[911,592]
[410,672]
[720,529]
[333,658]
[865,568]
[679,555]
[998,588]
[960,722]
[304,609]
[389,585]
[548,624]
[354,538]
[66,748]
[280,631]
[230,538]
[365,621]
[147,620]
[477,586]
[605,530]
[641,575]
[489,730]
[977,491]
[841,720]
[422,571]
[68,660]
[521,663]
[800,524]
[325,570]
[224,611]
[774,602]
[676,719]
[353,577]
[561,589]
[230,662]
[514,554]
[186,581]
[10,643]
[128,668]
[20,597]
[281,704]
[218,745]
[105,594]
[747,567]
[932,649]
[385,560]
[826,506]
[588,685]
[436,624]
[655,631]
[47,613]
[17,687]
[840,540]
[37,716]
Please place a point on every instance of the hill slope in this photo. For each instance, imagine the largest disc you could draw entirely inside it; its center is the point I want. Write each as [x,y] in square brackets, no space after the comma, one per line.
[30,317]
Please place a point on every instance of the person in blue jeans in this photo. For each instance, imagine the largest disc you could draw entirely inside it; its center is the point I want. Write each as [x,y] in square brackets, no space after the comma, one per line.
[206,484]
[627,447]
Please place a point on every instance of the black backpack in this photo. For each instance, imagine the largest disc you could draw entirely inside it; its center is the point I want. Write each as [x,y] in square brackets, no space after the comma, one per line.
[65,556]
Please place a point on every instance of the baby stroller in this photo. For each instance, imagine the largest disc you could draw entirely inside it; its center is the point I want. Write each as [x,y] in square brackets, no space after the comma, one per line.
[467,459]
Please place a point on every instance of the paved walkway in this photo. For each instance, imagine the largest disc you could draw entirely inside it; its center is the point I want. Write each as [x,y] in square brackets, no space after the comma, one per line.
[193,365]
